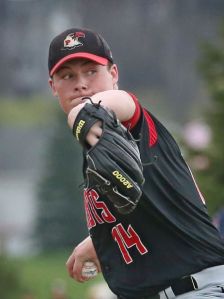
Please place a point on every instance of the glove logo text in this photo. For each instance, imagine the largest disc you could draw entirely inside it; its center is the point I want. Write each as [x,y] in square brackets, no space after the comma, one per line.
[79,128]
[122,179]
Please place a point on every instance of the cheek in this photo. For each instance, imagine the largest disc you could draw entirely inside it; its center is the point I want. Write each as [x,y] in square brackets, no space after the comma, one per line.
[63,92]
[63,105]
[61,89]
[62,96]
[106,82]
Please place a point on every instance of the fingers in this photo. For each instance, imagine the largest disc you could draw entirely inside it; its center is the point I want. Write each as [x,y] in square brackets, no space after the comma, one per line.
[94,133]
[74,268]
[69,264]
[83,252]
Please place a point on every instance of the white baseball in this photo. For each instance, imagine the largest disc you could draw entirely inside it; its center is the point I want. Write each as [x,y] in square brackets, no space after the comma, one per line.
[89,270]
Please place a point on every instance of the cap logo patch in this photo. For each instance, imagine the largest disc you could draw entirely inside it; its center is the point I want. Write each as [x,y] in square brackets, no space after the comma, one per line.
[72,40]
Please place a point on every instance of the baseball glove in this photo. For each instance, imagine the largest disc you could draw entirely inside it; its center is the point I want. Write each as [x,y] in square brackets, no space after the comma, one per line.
[114,166]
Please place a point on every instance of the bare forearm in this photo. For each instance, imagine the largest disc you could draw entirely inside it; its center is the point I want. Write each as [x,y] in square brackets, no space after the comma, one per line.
[117,100]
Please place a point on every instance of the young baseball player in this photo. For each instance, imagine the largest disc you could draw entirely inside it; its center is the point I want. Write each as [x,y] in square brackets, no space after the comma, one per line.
[149,231]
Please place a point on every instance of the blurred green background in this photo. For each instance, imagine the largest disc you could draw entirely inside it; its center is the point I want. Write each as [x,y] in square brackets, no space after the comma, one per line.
[170,53]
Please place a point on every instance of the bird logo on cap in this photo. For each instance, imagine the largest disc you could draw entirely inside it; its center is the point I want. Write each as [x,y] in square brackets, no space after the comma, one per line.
[72,40]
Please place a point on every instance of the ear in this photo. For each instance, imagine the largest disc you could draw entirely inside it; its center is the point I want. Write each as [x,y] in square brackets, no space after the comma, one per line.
[114,74]
[52,86]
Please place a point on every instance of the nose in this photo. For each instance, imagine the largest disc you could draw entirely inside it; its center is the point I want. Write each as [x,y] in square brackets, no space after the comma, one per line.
[80,85]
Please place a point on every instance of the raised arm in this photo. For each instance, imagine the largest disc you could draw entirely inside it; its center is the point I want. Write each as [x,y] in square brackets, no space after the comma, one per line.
[117,100]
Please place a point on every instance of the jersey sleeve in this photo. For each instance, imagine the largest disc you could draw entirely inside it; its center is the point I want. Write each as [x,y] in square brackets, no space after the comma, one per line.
[151,126]
[130,123]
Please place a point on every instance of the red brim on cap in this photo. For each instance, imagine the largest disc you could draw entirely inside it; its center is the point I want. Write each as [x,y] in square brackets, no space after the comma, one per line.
[98,59]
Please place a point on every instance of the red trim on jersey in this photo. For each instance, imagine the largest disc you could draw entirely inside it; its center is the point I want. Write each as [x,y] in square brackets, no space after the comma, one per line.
[134,119]
[153,136]
[199,192]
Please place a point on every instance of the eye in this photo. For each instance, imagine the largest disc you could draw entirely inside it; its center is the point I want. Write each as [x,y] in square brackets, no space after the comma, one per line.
[91,72]
[66,76]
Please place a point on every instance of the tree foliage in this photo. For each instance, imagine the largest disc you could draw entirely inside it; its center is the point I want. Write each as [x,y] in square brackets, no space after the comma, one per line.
[10,283]
[211,66]
[61,220]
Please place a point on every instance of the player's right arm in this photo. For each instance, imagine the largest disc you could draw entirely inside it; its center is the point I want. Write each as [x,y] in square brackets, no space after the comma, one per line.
[124,107]
[83,252]
[116,100]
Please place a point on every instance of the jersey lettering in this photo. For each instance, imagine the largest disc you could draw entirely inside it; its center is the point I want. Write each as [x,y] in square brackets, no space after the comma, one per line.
[127,239]
[96,211]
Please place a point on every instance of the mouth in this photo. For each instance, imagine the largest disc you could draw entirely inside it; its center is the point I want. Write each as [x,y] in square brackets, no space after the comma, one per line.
[80,99]
[76,101]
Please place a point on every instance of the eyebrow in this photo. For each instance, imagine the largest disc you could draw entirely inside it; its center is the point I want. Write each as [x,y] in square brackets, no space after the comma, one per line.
[63,67]
[89,62]
[84,63]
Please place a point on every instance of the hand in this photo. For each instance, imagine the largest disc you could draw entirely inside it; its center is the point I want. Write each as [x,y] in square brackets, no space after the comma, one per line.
[83,252]
[94,133]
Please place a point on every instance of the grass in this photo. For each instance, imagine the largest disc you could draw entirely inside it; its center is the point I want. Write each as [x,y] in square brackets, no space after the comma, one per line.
[40,273]
[27,112]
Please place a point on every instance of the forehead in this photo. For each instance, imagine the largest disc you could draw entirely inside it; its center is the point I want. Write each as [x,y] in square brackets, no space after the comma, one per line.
[79,62]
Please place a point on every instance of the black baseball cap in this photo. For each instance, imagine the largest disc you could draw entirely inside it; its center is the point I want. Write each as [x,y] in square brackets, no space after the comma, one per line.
[78,43]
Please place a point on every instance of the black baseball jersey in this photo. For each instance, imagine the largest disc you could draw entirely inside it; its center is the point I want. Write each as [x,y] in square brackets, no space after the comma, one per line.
[168,235]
